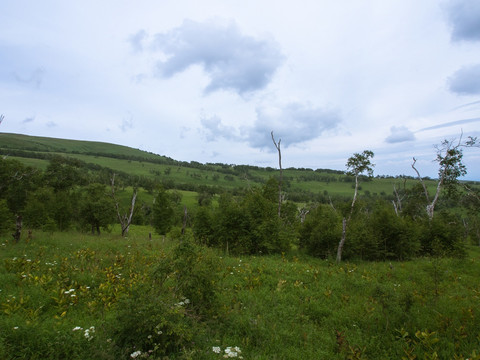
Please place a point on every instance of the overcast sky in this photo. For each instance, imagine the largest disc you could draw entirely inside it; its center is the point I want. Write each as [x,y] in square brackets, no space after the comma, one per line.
[209,80]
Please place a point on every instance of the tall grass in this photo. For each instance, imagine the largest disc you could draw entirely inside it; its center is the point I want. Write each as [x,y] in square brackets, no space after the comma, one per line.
[131,291]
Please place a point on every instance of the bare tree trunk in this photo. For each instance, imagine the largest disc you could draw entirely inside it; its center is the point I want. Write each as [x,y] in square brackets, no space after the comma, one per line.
[430,208]
[346,221]
[125,220]
[184,226]
[420,179]
[397,204]
[18,229]
[277,145]
[342,240]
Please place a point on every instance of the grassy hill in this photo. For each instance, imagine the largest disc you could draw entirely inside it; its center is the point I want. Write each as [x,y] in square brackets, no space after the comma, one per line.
[299,184]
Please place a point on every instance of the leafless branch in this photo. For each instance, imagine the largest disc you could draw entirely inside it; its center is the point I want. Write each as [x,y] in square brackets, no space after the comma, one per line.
[280,197]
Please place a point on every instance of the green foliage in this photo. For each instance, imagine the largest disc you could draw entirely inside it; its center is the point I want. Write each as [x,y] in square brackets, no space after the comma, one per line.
[443,235]
[249,225]
[360,163]
[97,208]
[6,218]
[149,320]
[73,296]
[62,173]
[321,231]
[192,271]
[164,210]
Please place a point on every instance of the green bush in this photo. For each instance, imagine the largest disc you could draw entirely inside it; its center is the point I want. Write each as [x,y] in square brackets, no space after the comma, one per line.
[150,321]
[192,272]
[442,236]
[321,232]
[6,218]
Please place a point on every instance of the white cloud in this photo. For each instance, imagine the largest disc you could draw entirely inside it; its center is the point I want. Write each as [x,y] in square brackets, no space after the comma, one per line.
[213,129]
[399,134]
[232,61]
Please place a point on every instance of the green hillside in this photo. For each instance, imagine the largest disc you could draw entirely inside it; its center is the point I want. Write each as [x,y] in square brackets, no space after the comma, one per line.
[47,144]
[301,185]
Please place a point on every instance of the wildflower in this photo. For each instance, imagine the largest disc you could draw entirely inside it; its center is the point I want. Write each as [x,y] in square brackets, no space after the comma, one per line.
[15,328]
[135,354]
[88,333]
[76,328]
[216,349]
[232,352]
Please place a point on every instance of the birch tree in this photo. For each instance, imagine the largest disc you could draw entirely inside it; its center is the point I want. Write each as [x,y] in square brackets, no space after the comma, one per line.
[357,165]
[451,167]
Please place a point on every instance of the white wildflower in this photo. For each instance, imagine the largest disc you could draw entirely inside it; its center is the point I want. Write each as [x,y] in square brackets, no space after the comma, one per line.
[135,354]
[232,352]
[89,333]
[216,349]
[76,328]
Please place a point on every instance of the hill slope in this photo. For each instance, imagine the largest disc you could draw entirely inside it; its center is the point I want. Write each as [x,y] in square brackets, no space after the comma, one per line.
[300,184]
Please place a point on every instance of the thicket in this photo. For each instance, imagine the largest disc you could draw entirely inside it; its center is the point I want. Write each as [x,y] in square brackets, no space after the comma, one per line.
[71,194]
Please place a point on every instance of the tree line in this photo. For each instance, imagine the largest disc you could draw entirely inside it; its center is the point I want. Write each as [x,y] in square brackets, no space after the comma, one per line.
[409,222]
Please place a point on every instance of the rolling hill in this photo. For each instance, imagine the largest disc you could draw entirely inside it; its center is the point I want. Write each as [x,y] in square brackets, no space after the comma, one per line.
[301,185]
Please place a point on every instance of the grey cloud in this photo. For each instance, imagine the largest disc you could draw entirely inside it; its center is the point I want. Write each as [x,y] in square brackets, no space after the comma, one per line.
[214,129]
[464,17]
[232,61]
[451,123]
[51,124]
[294,124]
[466,80]
[28,119]
[137,39]
[399,134]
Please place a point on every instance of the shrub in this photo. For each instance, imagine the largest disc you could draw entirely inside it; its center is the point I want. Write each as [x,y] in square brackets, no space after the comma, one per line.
[149,321]
[6,218]
[321,232]
[192,271]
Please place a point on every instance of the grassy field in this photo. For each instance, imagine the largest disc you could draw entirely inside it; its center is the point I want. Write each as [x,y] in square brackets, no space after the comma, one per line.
[77,296]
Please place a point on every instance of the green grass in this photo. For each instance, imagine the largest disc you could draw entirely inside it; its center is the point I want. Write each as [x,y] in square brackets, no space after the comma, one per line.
[271,307]
[323,182]
[46,144]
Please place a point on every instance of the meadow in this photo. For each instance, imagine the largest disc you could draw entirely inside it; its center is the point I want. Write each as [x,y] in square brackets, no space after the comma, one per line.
[77,296]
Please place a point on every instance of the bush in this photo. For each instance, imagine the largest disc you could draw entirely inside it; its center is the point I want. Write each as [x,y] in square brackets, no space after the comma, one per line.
[442,236]
[192,272]
[6,218]
[150,320]
[321,232]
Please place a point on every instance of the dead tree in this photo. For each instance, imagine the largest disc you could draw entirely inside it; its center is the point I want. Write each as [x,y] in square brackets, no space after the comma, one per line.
[18,229]
[1,118]
[397,204]
[280,196]
[125,219]
[451,167]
